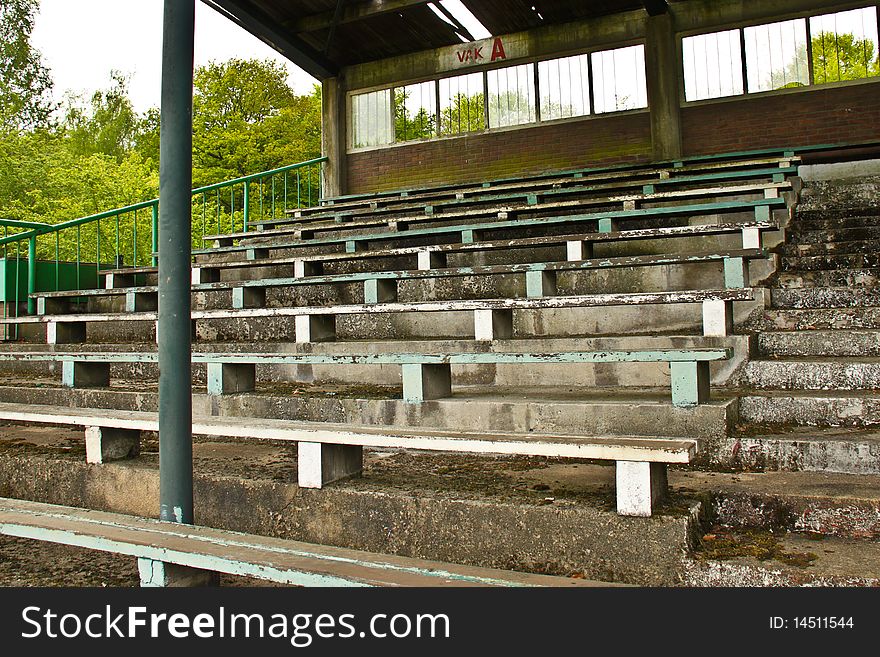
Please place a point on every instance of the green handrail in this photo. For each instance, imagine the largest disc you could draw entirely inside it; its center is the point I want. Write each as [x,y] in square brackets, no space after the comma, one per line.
[226,213]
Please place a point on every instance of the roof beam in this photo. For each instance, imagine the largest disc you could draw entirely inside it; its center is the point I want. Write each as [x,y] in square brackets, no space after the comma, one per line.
[655,7]
[352,13]
[266,29]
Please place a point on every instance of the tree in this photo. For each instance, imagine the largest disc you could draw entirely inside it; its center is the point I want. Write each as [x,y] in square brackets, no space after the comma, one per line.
[465,114]
[108,125]
[408,126]
[25,84]
[835,57]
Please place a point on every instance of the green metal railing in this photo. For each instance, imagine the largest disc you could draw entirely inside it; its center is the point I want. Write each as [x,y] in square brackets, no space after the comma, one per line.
[129,236]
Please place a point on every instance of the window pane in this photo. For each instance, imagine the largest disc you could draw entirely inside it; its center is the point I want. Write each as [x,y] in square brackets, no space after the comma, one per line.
[371,118]
[776,55]
[564,85]
[461,104]
[415,111]
[712,65]
[511,95]
[619,79]
[844,45]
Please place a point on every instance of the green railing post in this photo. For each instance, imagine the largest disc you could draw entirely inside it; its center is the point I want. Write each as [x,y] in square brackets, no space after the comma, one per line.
[247,206]
[175,310]
[155,230]
[32,274]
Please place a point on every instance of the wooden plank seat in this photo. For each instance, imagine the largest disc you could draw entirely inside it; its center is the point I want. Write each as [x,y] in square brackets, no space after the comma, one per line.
[424,376]
[330,452]
[490,208]
[660,171]
[171,554]
[493,318]
[382,286]
[619,192]
[607,221]
[578,246]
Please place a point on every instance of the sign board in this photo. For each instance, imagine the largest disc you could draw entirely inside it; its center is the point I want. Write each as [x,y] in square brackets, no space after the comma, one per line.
[476,53]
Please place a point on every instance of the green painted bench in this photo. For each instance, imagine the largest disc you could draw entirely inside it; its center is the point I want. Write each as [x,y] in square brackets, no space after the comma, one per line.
[171,554]
[424,376]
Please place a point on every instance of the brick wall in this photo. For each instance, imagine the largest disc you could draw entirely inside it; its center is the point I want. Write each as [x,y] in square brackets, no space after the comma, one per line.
[817,116]
[606,140]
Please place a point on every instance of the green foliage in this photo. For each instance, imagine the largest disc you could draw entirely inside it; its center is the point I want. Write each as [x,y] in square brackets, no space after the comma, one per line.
[25,84]
[108,125]
[464,114]
[838,57]
[409,126]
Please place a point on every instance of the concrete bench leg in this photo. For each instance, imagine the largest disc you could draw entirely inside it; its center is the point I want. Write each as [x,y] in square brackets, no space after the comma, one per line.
[355,246]
[690,383]
[223,242]
[736,273]
[717,317]
[229,378]
[65,332]
[248,297]
[423,382]
[578,250]
[431,260]
[112,281]
[752,238]
[608,225]
[161,574]
[315,328]
[52,306]
[470,236]
[256,254]
[78,374]
[104,444]
[762,213]
[205,275]
[319,464]
[640,485]
[493,325]
[540,284]
[380,290]
[141,301]
[303,268]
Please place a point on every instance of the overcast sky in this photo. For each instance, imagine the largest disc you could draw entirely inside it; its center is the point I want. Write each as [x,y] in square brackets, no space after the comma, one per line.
[83,40]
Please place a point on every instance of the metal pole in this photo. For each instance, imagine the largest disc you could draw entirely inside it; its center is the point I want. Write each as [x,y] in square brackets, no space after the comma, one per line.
[32,274]
[175,235]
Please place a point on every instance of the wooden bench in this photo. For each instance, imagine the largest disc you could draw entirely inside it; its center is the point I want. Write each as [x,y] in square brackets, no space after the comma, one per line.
[578,247]
[330,452]
[493,318]
[171,554]
[606,222]
[496,208]
[424,376]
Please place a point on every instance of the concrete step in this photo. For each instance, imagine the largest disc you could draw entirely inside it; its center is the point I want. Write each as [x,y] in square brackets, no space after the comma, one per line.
[797,234]
[820,503]
[824,297]
[842,195]
[485,408]
[791,408]
[853,247]
[829,373]
[729,557]
[793,319]
[820,262]
[819,343]
[867,277]
[849,450]
[834,220]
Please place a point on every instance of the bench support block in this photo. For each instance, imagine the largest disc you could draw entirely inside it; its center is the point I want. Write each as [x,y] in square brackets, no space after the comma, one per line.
[257,254]
[423,382]
[119,280]
[303,268]
[155,574]
[607,225]
[380,290]
[736,273]
[752,238]
[229,378]
[315,328]
[717,317]
[205,275]
[85,375]
[431,260]
[493,325]
[65,332]
[52,306]
[248,297]
[640,485]
[690,382]
[319,464]
[540,284]
[576,250]
[105,444]
[136,302]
